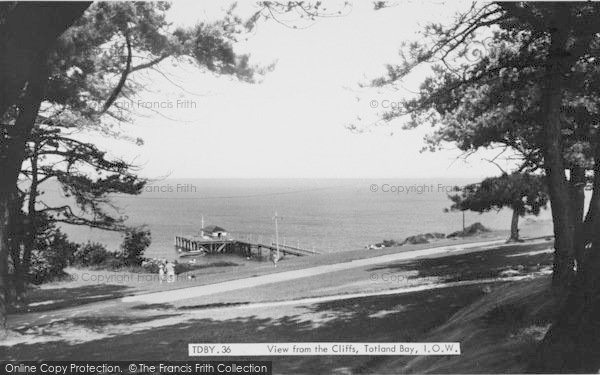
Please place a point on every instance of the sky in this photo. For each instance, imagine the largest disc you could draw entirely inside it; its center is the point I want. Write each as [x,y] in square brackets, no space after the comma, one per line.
[294,123]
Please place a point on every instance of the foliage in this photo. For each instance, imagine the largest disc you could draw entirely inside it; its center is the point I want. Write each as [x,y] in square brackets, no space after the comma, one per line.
[472,230]
[45,266]
[524,193]
[151,265]
[92,254]
[51,249]
[485,89]
[135,242]
[94,60]
[51,255]
[422,238]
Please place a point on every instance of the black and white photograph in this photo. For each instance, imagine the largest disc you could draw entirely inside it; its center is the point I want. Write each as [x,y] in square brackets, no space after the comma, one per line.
[299,187]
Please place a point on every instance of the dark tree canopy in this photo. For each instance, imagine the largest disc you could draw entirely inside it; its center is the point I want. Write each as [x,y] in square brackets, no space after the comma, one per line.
[522,192]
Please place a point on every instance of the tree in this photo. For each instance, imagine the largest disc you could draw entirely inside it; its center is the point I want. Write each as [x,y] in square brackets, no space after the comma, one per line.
[134,244]
[50,253]
[87,177]
[499,101]
[555,46]
[74,71]
[27,32]
[523,193]
[514,80]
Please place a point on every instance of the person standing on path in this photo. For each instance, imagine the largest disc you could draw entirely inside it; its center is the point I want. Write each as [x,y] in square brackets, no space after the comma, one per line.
[274,257]
[161,272]
[170,272]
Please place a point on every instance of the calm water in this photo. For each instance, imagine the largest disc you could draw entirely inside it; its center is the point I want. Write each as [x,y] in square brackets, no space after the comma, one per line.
[329,215]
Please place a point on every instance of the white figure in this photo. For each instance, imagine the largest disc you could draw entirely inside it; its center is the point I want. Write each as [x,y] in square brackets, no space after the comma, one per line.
[170,272]
[274,257]
[161,273]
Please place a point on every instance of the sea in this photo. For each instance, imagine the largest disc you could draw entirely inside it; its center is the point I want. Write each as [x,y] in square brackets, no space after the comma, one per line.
[327,215]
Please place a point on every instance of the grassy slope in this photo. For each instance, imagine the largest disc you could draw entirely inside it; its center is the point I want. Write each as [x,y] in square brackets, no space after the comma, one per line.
[498,333]
[497,324]
[387,318]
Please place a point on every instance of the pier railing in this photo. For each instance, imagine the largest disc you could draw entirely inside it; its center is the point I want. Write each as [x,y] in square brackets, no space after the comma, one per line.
[284,243]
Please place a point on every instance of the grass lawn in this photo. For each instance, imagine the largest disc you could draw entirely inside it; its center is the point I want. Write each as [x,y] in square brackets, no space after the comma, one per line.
[497,323]
[478,265]
[388,318]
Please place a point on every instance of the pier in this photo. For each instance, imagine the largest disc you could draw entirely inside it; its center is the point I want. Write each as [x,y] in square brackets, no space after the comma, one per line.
[195,245]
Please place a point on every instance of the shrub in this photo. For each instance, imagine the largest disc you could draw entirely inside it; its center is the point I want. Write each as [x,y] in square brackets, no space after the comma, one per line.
[40,268]
[471,230]
[151,265]
[91,254]
[134,244]
[113,262]
[51,255]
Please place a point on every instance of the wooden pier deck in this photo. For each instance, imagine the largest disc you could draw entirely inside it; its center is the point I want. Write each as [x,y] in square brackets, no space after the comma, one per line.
[191,245]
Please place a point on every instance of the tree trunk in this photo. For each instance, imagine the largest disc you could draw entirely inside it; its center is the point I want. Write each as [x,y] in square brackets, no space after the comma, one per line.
[573,342]
[5,199]
[26,34]
[559,64]
[14,243]
[11,160]
[15,256]
[514,226]
[19,273]
[577,186]
[31,230]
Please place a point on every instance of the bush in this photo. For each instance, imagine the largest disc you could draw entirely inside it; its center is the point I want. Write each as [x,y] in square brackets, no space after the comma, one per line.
[41,269]
[471,230]
[92,254]
[50,256]
[113,262]
[423,238]
[151,265]
[134,244]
